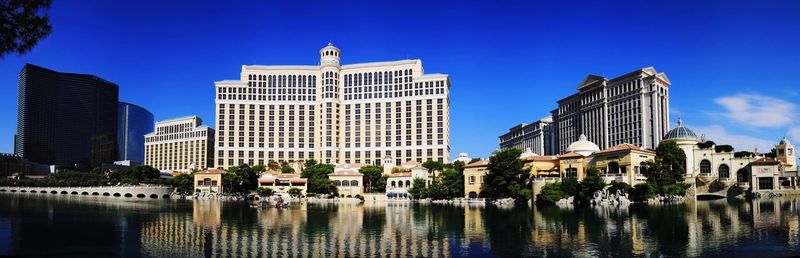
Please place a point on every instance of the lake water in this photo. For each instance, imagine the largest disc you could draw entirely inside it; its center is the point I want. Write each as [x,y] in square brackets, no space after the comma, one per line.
[36,225]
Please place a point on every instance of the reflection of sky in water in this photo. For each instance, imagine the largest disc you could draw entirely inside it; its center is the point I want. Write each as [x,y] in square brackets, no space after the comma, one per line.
[5,235]
[98,226]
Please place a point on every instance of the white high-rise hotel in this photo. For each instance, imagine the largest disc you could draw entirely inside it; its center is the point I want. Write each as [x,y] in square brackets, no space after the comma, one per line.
[357,113]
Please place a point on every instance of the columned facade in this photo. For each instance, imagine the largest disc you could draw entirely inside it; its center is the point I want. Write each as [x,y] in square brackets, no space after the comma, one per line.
[632,109]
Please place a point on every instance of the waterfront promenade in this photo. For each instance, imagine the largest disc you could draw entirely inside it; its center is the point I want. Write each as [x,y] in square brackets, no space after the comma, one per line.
[153,192]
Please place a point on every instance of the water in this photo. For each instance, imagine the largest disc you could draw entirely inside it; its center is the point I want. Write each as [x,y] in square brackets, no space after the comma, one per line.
[75,226]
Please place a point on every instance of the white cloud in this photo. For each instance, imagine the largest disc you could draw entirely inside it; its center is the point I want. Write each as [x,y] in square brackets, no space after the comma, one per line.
[740,142]
[757,110]
[794,133]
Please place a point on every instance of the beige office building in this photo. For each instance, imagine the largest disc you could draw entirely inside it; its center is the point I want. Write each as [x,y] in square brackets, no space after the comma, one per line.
[180,144]
[356,113]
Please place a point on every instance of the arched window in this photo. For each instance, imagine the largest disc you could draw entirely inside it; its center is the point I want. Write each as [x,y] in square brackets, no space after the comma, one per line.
[353,183]
[473,195]
[393,184]
[705,167]
[742,175]
[408,183]
[724,171]
[399,183]
[345,183]
[337,183]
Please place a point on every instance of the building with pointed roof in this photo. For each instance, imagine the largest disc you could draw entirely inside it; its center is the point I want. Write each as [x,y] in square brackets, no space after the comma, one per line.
[632,108]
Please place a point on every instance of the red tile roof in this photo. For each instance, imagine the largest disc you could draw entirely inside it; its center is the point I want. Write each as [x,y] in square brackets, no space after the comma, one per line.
[624,146]
[765,161]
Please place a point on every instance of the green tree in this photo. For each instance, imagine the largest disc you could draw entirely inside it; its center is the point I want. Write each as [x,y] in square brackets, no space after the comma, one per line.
[265,192]
[272,165]
[643,191]
[622,187]
[551,193]
[505,177]
[458,166]
[184,183]
[666,172]
[590,184]
[374,180]
[287,170]
[433,166]
[24,23]
[318,181]
[418,189]
[435,191]
[473,160]
[294,192]
[452,183]
[259,169]
[146,172]
[240,179]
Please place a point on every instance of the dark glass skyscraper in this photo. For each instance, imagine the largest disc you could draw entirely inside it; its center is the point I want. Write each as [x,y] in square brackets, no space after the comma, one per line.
[134,123]
[66,119]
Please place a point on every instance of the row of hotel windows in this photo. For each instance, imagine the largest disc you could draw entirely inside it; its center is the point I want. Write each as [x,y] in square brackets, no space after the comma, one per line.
[176,128]
[176,136]
[280,81]
[176,155]
[377,78]
[260,161]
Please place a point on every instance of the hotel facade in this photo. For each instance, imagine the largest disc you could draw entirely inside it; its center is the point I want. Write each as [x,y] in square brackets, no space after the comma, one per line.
[537,137]
[357,113]
[632,108]
[181,144]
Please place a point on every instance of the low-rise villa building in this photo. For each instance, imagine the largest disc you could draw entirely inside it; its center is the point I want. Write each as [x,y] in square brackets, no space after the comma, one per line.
[474,174]
[281,183]
[209,181]
[707,162]
[402,178]
[348,181]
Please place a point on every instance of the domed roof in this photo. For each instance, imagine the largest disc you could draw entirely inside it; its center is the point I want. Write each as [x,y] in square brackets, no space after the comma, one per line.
[681,132]
[785,141]
[583,146]
[528,153]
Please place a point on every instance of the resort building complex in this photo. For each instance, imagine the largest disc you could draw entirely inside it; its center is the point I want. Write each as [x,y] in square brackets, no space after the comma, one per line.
[356,113]
[707,162]
[180,144]
[537,136]
[632,108]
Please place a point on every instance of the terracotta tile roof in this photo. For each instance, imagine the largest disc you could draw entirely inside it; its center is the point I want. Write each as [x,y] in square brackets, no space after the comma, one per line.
[212,171]
[624,146]
[401,174]
[345,172]
[480,163]
[541,158]
[765,161]
[570,155]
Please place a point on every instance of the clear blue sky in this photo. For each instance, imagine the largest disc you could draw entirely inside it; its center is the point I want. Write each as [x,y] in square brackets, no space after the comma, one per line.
[733,64]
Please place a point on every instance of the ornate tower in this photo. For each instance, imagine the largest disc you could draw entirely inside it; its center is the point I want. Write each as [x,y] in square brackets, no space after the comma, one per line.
[785,152]
[329,107]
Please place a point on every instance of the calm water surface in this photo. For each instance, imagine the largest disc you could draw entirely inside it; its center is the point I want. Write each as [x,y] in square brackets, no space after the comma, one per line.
[34,225]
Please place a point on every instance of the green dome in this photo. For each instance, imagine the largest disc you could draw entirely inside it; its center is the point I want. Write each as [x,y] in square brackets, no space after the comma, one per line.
[681,132]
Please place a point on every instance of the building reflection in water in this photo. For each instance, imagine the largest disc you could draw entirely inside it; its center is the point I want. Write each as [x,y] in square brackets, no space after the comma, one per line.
[220,229]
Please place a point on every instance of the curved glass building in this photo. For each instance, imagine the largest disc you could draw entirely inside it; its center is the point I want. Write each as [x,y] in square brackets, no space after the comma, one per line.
[134,123]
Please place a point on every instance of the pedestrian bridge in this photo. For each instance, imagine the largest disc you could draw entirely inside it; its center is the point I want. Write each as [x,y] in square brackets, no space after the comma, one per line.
[152,192]
[710,196]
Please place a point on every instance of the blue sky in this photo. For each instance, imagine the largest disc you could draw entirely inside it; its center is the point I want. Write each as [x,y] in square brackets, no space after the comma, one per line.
[732,63]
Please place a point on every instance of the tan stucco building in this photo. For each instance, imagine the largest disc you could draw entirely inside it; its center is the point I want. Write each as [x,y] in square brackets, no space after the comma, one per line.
[209,181]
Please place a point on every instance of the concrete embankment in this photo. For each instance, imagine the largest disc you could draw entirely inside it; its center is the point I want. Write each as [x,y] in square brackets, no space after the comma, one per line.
[152,192]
